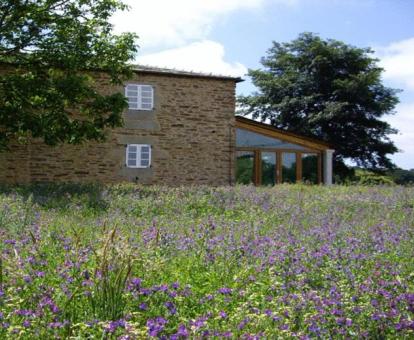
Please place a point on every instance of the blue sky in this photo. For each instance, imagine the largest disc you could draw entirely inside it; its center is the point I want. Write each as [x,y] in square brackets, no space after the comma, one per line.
[230,36]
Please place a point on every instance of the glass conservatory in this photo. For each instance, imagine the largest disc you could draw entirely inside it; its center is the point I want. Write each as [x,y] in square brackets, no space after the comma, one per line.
[268,156]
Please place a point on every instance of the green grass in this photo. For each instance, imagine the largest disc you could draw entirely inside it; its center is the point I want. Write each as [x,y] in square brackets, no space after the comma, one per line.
[89,261]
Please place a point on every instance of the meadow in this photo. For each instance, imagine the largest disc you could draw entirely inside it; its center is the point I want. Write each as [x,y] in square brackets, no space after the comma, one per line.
[132,262]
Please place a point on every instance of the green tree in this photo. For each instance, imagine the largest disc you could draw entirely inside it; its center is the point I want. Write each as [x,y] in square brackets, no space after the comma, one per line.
[50,51]
[328,90]
[401,176]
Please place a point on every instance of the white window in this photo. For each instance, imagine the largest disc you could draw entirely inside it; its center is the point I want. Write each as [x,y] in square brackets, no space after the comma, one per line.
[140,97]
[138,156]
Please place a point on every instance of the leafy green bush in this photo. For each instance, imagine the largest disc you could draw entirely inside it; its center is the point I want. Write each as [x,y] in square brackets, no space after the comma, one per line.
[364,177]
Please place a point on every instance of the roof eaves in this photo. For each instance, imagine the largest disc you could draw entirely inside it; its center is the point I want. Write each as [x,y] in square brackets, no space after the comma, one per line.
[175,72]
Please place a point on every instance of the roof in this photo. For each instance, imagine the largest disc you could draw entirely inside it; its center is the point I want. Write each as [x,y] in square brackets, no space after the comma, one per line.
[171,72]
[271,131]
[174,72]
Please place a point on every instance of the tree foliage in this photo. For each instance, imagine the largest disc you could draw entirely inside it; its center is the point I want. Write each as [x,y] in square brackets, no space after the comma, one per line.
[403,177]
[328,90]
[49,51]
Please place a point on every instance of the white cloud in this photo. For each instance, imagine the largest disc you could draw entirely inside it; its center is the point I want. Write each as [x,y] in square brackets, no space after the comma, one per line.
[398,61]
[404,122]
[167,23]
[204,56]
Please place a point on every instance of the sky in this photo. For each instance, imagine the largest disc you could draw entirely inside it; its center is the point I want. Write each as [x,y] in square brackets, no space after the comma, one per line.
[230,36]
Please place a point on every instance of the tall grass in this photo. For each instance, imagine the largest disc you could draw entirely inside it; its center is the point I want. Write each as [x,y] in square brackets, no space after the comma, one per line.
[134,262]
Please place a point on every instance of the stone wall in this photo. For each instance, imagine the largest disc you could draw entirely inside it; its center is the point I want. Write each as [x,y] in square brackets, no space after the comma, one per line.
[191,130]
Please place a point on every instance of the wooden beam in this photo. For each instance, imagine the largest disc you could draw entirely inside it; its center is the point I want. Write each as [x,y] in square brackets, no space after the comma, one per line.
[298,167]
[279,167]
[319,168]
[247,148]
[257,167]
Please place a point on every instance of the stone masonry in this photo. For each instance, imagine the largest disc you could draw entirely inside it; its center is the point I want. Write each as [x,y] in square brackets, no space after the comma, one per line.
[191,131]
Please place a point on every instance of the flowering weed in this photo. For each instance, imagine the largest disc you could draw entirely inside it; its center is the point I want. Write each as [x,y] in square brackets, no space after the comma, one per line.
[133,262]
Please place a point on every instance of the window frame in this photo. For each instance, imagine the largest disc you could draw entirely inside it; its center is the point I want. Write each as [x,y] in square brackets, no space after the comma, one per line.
[257,180]
[139,102]
[138,159]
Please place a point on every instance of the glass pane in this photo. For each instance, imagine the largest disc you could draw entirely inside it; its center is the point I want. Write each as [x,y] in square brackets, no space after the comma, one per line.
[310,168]
[288,167]
[131,87]
[251,139]
[268,168]
[133,106]
[146,106]
[132,148]
[244,167]
[132,155]
[145,162]
[132,162]
[145,148]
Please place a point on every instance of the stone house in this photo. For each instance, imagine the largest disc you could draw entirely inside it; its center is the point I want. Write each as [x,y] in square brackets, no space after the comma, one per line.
[180,129]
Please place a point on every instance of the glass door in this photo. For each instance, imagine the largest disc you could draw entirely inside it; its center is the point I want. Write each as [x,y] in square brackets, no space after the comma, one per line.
[245,167]
[288,167]
[268,168]
[310,172]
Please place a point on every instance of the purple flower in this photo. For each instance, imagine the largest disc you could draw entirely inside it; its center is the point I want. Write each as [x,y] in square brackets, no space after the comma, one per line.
[225,290]
[24,312]
[175,285]
[47,301]
[145,291]
[182,333]
[114,325]
[314,328]
[55,325]
[27,279]
[223,314]
[143,306]
[136,283]
[156,326]
[200,322]
[171,308]
[87,283]
[284,327]
[243,323]
[268,312]
[172,294]
[341,321]
[227,334]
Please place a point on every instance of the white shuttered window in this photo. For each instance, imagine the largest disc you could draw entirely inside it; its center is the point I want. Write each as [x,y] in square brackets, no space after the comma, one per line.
[140,97]
[138,155]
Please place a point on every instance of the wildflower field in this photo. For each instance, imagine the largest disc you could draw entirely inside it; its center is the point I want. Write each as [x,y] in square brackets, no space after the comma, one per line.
[131,262]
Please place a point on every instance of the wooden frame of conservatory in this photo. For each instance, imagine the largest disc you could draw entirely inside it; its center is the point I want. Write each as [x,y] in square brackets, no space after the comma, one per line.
[309,145]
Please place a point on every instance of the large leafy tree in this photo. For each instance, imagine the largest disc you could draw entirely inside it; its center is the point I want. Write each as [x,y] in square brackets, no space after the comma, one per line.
[50,54]
[329,90]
